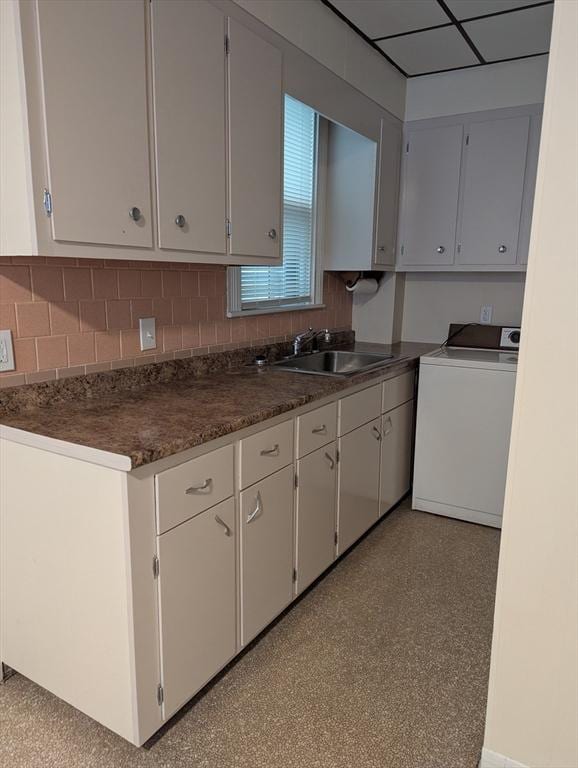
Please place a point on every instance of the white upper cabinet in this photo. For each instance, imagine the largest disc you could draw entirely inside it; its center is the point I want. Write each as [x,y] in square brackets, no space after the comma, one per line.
[189,116]
[430,195]
[93,59]
[494,170]
[388,193]
[255,144]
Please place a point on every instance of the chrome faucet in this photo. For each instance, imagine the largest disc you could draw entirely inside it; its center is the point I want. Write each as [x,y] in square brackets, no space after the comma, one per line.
[307,337]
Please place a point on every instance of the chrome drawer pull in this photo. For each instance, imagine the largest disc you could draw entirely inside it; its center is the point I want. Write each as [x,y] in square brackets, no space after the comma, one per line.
[198,488]
[388,421]
[224,524]
[376,433]
[274,451]
[330,459]
[258,508]
[320,430]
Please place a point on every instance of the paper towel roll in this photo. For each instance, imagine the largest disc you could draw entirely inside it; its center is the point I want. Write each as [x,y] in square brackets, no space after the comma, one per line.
[364,287]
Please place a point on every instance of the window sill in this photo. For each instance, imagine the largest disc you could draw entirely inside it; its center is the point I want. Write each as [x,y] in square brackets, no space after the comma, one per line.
[274,310]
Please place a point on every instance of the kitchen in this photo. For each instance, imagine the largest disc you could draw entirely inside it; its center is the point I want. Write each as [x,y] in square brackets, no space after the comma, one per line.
[149,263]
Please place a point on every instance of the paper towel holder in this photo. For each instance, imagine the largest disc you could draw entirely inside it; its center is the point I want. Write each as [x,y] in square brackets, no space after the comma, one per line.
[363,275]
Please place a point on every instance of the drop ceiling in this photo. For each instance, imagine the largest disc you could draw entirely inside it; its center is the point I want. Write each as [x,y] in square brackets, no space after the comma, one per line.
[424,37]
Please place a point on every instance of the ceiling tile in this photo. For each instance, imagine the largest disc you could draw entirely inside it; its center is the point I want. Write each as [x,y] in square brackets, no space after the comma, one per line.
[512,34]
[430,51]
[466,9]
[378,18]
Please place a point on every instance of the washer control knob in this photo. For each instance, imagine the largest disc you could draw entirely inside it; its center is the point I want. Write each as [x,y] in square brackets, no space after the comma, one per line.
[514,337]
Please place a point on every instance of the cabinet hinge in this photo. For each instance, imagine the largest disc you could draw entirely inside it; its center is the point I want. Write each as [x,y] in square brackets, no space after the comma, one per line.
[467,139]
[47,202]
[335,537]
[294,574]
[459,247]
[156,567]
[228,227]
[160,694]
[296,480]
[407,148]
[227,45]
[337,457]
[402,249]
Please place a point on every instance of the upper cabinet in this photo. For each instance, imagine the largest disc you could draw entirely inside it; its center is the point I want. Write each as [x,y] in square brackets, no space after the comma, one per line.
[94,88]
[388,193]
[467,191]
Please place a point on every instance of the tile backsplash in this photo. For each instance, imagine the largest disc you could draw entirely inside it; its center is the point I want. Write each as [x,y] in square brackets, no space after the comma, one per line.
[73,316]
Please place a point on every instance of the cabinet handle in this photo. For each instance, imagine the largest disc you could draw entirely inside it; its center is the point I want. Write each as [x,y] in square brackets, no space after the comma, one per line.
[258,508]
[376,433]
[388,421]
[274,451]
[502,249]
[180,220]
[198,488]
[272,233]
[320,430]
[224,524]
[440,249]
[330,459]
[134,213]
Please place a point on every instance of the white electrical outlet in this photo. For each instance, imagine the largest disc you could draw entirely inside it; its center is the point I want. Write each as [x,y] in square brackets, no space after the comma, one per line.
[486,314]
[6,351]
[148,333]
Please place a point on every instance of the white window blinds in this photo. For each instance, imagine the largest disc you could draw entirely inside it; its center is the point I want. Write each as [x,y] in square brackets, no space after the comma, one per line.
[292,282]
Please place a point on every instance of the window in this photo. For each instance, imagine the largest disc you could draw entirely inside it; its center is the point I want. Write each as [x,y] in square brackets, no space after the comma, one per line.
[270,289]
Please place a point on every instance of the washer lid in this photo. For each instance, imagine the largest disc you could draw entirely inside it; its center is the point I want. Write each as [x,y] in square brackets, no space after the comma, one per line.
[464,357]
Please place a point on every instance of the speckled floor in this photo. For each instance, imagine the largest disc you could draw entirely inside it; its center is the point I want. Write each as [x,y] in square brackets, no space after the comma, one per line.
[384,664]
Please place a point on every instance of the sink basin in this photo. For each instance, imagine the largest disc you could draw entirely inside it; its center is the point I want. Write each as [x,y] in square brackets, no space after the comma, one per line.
[334,363]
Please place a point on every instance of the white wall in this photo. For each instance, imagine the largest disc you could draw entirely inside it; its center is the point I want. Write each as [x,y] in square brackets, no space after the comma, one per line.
[532,714]
[510,84]
[315,29]
[433,301]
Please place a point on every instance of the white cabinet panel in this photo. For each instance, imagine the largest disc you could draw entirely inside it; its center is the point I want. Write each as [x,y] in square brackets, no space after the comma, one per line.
[316,519]
[430,197]
[266,551]
[388,196]
[395,475]
[255,140]
[197,589]
[316,428]
[189,112]
[359,453]
[494,170]
[93,57]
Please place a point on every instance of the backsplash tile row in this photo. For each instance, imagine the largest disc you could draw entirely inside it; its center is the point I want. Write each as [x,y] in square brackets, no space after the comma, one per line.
[73,316]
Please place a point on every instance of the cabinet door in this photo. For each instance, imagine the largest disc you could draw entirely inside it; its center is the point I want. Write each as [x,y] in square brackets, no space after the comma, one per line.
[316,497]
[255,130]
[388,196]
[396,449]
[267,551]
[358,482]
[189,112]
[93,58]
[430,195]
[197,602]
[494,170]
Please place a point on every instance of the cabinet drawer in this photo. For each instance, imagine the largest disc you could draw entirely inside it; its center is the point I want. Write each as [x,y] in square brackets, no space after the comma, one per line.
[316,428]
[192,487]
[266,452]
[360,408]
[397,391]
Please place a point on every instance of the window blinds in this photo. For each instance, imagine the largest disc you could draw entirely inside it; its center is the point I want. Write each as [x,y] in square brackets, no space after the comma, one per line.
[292,282]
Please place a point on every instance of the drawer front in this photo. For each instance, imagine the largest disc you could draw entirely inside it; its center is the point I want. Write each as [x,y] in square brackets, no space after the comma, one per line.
[265,452]
[192,487]
[360,408]
[398,391]
[316,429]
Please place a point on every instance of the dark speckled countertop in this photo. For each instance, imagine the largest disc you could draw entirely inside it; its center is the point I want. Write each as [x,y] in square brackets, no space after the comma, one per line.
[151,422]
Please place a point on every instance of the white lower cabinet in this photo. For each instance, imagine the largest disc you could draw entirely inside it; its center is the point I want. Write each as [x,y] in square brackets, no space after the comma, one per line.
[266,551]
[359,459]
[396,445]
[315,514]
[197,602]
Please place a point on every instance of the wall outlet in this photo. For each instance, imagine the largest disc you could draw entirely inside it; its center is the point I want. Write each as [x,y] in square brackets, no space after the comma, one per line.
[6,351]
[148,333]
[486,314]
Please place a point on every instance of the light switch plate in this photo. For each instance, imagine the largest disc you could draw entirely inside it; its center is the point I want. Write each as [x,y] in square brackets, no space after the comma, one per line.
[6,351]
[486,314]
[148,333]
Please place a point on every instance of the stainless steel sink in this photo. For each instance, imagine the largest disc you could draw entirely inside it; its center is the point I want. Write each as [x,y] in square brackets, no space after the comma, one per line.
[334,363]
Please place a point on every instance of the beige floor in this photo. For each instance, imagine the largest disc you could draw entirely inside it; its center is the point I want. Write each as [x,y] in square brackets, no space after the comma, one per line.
[383,664]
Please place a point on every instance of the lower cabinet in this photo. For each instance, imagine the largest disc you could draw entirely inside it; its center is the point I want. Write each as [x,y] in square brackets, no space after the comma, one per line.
[315,514]
[396,445]
[266,551]
[197,602]
[358,500]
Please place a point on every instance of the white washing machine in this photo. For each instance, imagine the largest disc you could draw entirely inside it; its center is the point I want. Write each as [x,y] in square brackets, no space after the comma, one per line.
[464,418]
